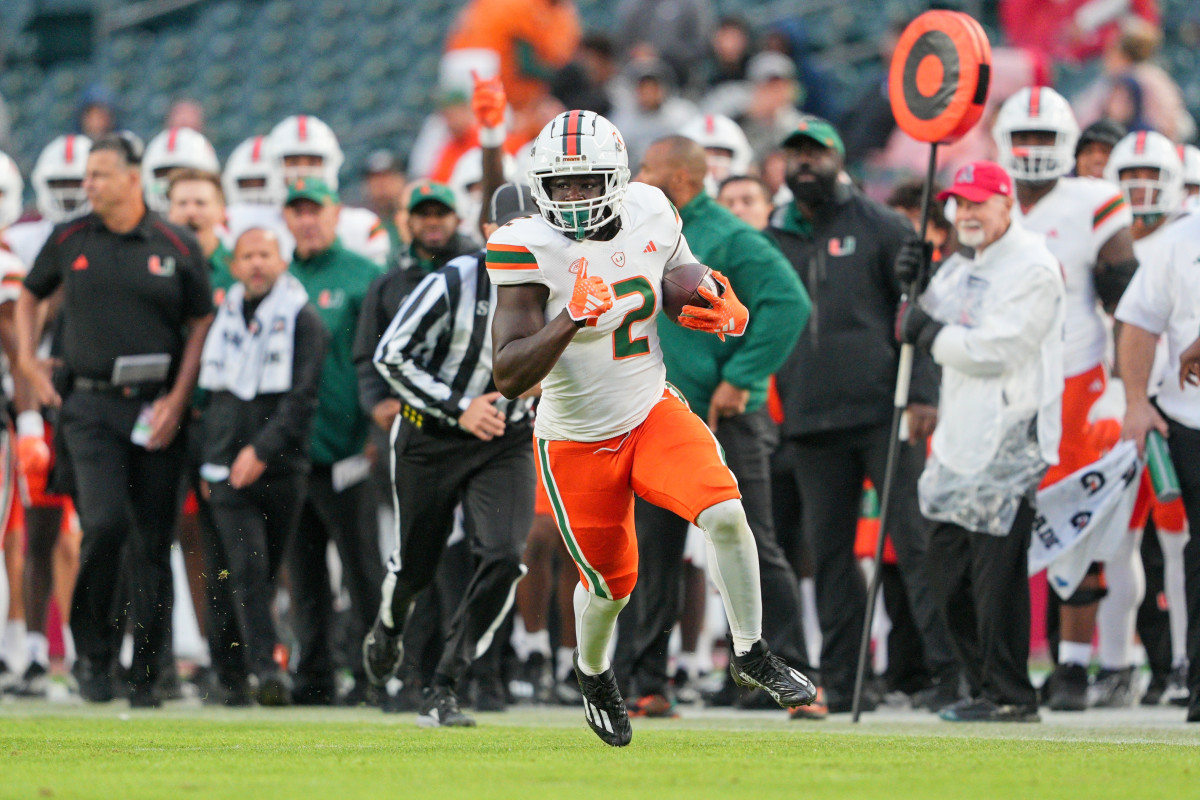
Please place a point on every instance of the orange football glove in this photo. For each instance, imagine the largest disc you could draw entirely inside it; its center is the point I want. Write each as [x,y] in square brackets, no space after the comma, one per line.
[488,101]
[727,314]
[33,461]
[590,298]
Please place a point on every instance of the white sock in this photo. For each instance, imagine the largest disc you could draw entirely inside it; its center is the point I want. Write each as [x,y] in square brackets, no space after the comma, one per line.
[1172,545]
[38,648]
[14,644]
[1117,615]
[563,663]
[537,642]
[690,663]
[518,638]
[1074,653]
[595,621]
[733,567]
[68,646]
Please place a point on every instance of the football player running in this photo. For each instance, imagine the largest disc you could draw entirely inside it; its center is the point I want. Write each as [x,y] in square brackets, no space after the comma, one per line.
[578,289]
[1086,222]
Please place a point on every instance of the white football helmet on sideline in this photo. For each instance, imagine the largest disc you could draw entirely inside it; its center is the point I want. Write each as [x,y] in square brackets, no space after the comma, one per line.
[466,181]
[174,148]
[1151,150]
[728,149]
[301,137]
[579,143]
[57,178]
[252,175]
[1190,156]
[1036,108]
[11,188]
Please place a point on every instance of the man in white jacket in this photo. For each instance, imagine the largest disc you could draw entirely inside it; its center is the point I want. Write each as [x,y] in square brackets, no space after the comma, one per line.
[995,325]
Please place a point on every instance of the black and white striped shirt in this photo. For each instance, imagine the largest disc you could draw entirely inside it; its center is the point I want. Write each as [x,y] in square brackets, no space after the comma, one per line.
[437,352]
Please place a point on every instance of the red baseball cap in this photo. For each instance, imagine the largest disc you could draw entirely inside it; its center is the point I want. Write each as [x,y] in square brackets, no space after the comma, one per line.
[978,181]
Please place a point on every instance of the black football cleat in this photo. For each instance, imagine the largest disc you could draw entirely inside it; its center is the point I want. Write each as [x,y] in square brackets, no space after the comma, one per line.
[761,669]
[440,709]
[603,706]
[382,653]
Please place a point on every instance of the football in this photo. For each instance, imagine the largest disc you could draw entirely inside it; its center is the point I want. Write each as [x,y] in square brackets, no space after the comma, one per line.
[680,287]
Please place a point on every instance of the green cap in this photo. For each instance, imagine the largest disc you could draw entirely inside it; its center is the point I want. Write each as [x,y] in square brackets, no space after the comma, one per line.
[430,191]
[819,130]
[313,189]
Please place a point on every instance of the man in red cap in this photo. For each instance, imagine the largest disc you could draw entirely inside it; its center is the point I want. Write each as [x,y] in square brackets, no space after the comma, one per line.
[995,325]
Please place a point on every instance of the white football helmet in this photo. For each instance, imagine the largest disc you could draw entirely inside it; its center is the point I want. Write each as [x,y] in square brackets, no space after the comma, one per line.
[252,175]
[57,178]
[466,180]
[174,148]
[1190,156]
[11,188]
[1037,108]
[579,143]
[1147,196]
[302,135]
[729,151]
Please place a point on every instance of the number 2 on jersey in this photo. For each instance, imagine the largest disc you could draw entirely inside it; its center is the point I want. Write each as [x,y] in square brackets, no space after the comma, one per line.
[624,345]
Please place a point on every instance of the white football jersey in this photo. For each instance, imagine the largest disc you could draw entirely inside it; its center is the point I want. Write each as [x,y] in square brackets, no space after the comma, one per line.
[359,229]
[1077,217]
[612,373]
[12,276]
[25,239]
[1164,298]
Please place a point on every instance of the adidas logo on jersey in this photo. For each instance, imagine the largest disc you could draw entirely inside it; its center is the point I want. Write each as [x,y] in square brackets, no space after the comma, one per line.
[650,248]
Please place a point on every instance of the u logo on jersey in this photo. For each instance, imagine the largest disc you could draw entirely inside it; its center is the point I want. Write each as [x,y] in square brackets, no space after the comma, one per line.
[618,259]
[328,298]
[577,266]
[842,247]
[163,267]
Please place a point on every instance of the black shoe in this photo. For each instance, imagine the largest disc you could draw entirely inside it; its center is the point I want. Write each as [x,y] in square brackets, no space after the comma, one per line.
[489,694]
[145,695]
[540,677]
[1112,688]
[169,686]
[1154,690]
[1194,709]
[363,693]
[1068,688]
[942,694]
[34,683]
[407,698]
[382,650]
[440,710]
[8,679]
[725,697]
[238,695]
[312,694]
[603,706]
[1177,692]
[840,702]
[274,689]
[761,669]
[983,710]
[685,688]
[95,684]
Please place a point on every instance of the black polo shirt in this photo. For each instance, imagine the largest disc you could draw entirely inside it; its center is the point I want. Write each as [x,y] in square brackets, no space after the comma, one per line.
[126,293]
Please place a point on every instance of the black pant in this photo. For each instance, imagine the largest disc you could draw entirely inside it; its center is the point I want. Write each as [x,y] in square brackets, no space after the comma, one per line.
[1153,621]
[747,440]
[1184,443]
[830,469]
[127,497]
[494,481]
[346,518]
[255,525]
[981,584]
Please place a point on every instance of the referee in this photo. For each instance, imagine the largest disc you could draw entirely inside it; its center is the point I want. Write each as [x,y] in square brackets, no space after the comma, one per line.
[136,295]
[456,439]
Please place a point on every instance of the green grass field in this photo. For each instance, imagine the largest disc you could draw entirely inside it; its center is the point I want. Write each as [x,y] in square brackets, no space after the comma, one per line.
[179,752]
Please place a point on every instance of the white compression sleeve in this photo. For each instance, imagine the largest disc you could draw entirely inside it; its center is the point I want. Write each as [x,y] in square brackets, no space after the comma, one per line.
[733,566]
[1173,586]
[595,620]
[1117,614]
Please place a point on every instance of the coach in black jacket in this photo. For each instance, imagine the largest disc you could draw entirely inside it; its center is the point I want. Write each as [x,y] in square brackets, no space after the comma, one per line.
[836,389]
[262,365]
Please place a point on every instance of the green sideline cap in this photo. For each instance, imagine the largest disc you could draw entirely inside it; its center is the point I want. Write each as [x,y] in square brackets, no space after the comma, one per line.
[313,189]
[427,191]
[820,131]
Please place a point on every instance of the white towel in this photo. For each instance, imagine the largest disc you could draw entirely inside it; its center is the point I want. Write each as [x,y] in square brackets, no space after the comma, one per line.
[248,360]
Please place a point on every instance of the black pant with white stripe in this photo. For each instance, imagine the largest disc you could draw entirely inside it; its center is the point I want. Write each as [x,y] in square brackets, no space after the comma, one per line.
[435,469]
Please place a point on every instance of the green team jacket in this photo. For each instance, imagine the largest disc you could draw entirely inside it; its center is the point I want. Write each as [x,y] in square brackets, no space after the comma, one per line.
[220,278]
[765,283]
[336,281]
